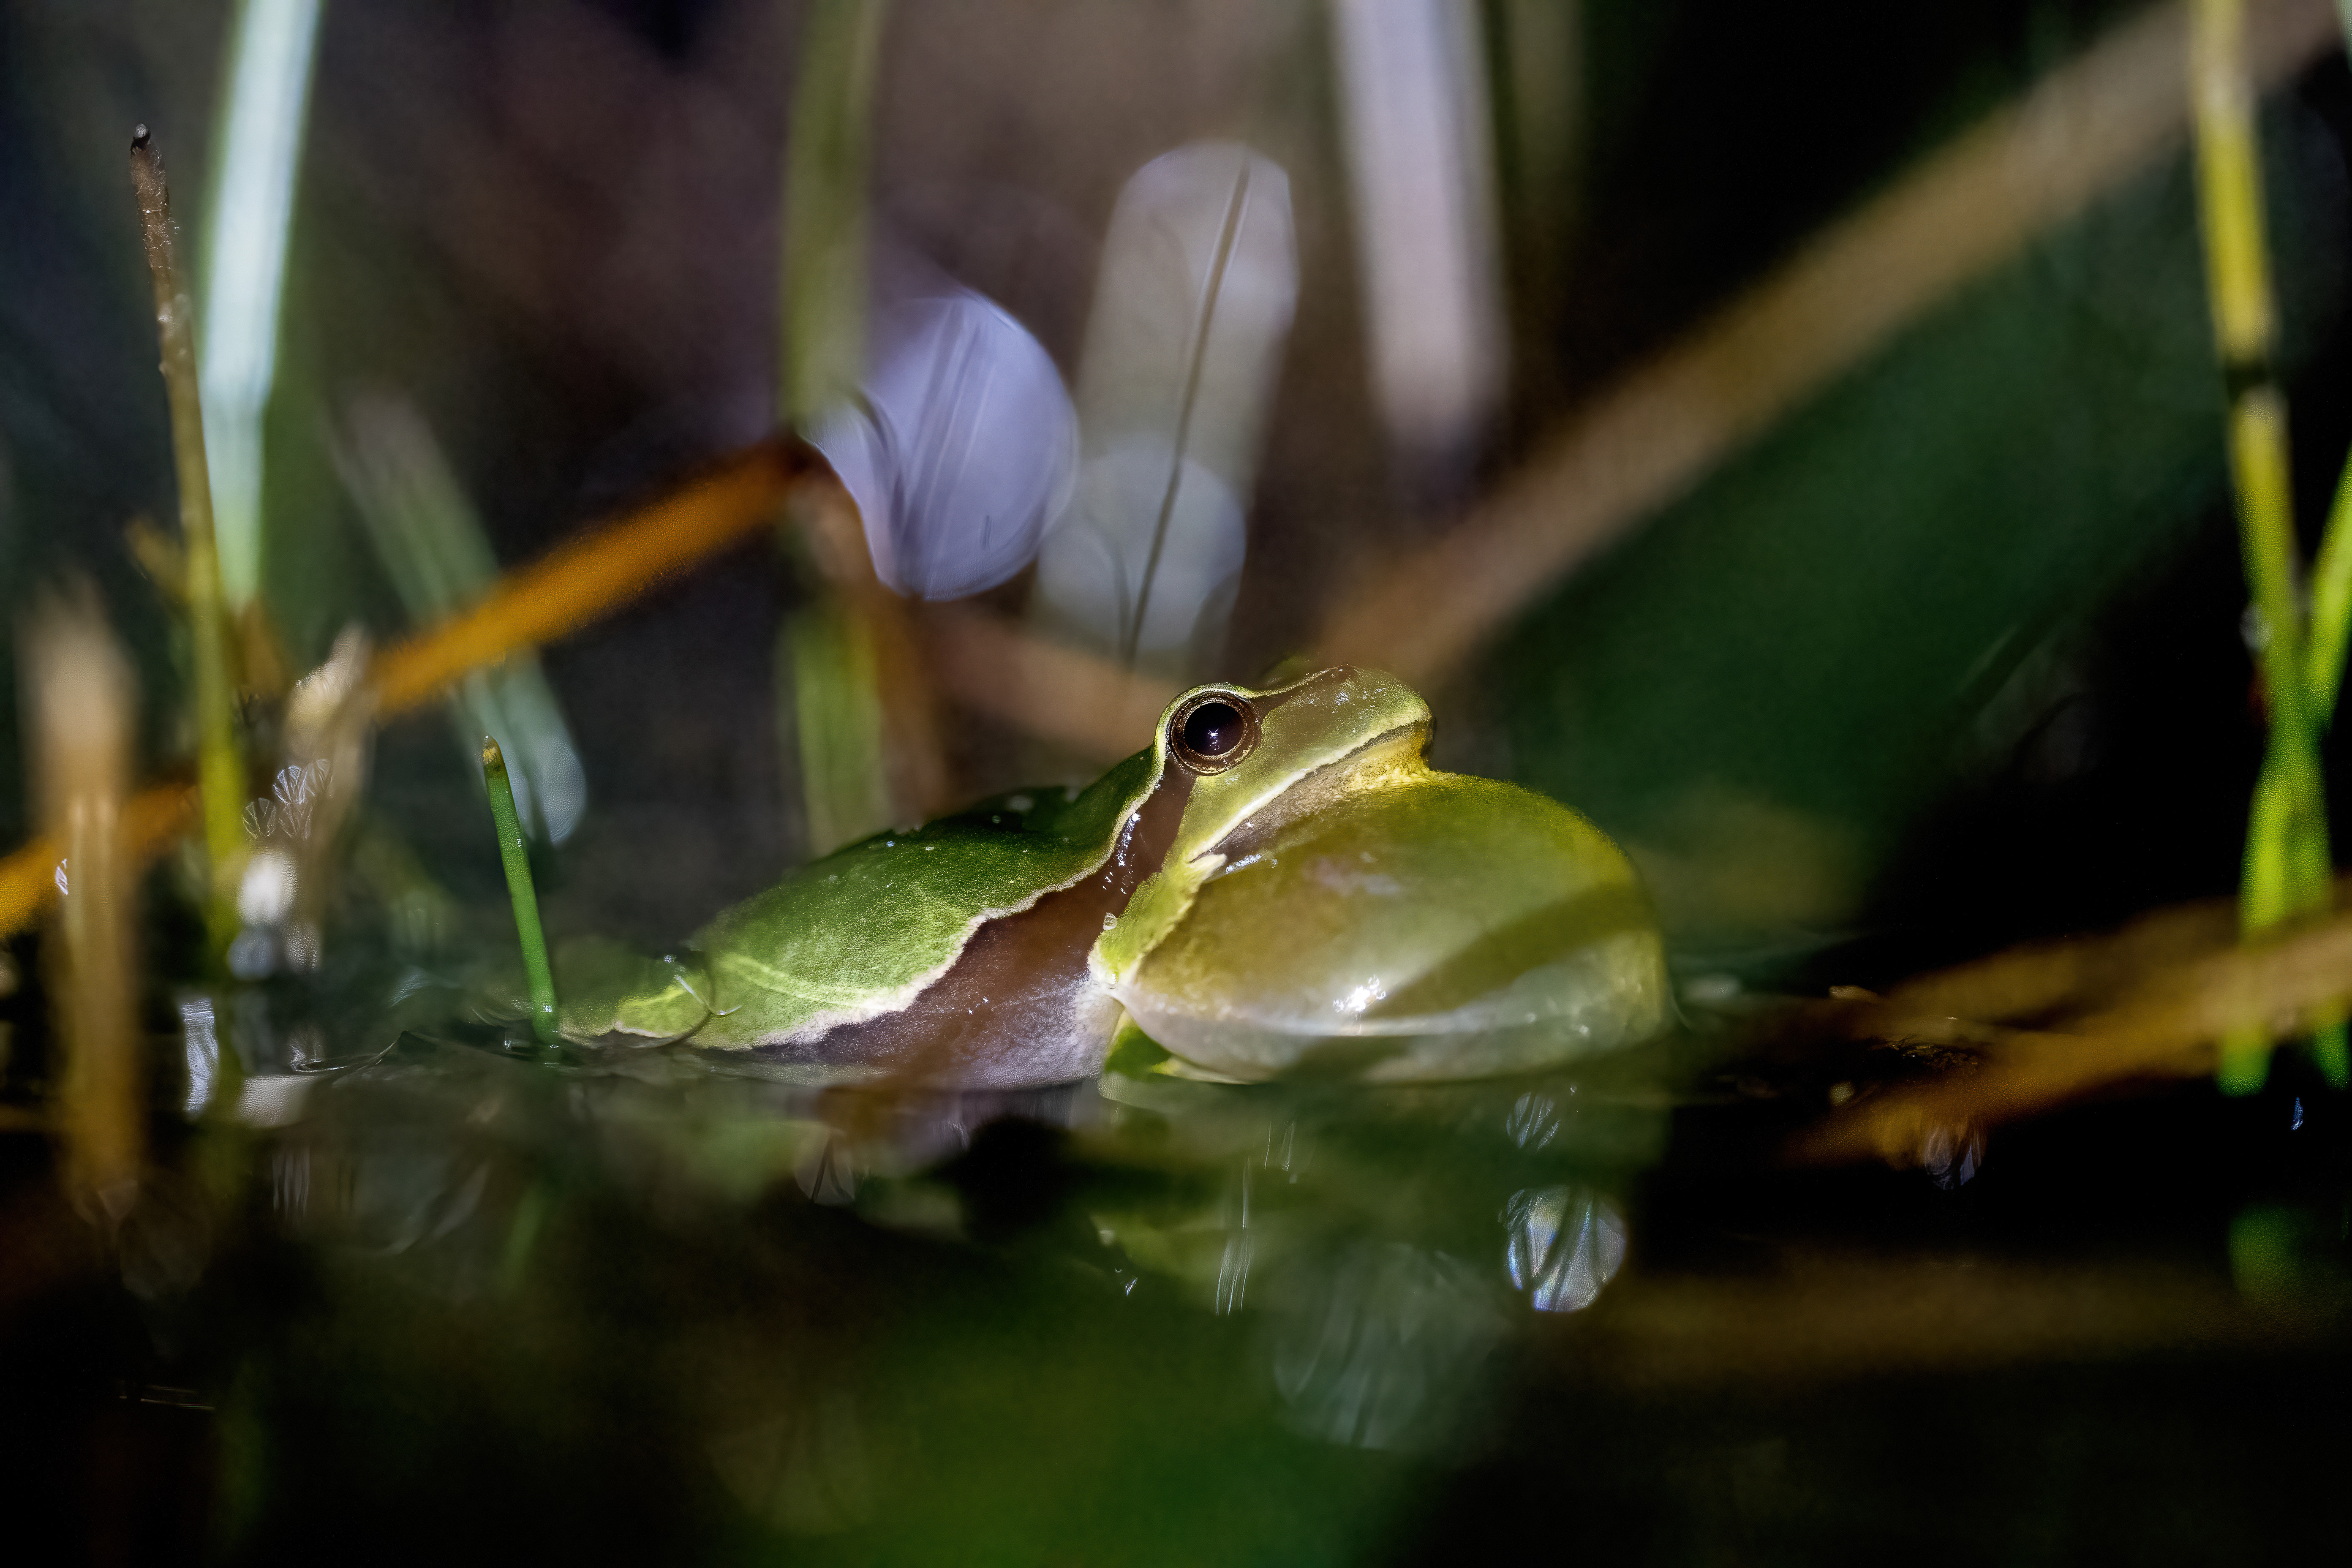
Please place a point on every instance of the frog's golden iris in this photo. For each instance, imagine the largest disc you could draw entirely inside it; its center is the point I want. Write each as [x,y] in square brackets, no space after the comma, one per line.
[1279,883]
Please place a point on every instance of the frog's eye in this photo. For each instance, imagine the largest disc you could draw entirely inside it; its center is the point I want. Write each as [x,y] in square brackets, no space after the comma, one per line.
[1213,732]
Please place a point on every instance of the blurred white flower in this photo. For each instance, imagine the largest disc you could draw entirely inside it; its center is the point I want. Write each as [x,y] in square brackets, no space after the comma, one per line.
[959,449]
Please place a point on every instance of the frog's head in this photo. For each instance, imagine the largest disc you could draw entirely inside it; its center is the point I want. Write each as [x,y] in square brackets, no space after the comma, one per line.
[1256,761]
[1259,759]
[1330,905]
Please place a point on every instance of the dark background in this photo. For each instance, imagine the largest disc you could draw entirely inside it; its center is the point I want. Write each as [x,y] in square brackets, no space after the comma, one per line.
[1949,661]
[554,226]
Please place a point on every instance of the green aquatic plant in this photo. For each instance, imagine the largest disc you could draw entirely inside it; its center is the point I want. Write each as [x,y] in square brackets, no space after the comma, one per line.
[2288,866]
[514,853]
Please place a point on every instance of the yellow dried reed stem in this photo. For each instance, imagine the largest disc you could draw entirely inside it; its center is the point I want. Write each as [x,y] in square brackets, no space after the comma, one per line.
[79,701]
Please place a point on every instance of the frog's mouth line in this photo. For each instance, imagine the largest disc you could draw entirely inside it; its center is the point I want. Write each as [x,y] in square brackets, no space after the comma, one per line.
[1389,759]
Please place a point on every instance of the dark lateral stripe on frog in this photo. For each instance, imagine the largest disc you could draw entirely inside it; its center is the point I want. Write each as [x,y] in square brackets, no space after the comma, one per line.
[1021,979]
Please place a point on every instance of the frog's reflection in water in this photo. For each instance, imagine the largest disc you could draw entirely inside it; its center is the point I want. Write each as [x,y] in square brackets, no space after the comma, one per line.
[1379,1344]
[860,1132]
[1360,1265]
[1385,1250]
[1384,1345]
[1381,1247]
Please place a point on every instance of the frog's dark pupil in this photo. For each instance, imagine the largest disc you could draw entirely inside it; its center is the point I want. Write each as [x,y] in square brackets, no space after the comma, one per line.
[1213,728]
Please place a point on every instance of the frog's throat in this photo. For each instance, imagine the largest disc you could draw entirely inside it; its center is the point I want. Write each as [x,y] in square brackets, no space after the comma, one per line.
[1229,812]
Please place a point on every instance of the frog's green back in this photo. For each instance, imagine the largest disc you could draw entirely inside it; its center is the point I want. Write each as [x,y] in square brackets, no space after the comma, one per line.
[859,933]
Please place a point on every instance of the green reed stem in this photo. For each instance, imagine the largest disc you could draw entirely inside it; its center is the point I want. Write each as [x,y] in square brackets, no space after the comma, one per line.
[220,770]
[2288,863]
[825,657]
[515,852]
[2281,862]
[826,156]
[2331,606]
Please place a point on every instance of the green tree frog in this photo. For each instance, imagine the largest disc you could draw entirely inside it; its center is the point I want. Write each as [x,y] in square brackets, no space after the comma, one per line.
[1279,883]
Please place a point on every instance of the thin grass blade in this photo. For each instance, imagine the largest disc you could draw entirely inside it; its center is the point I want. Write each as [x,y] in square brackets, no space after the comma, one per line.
[433,547]
[514,853]
[265,101]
